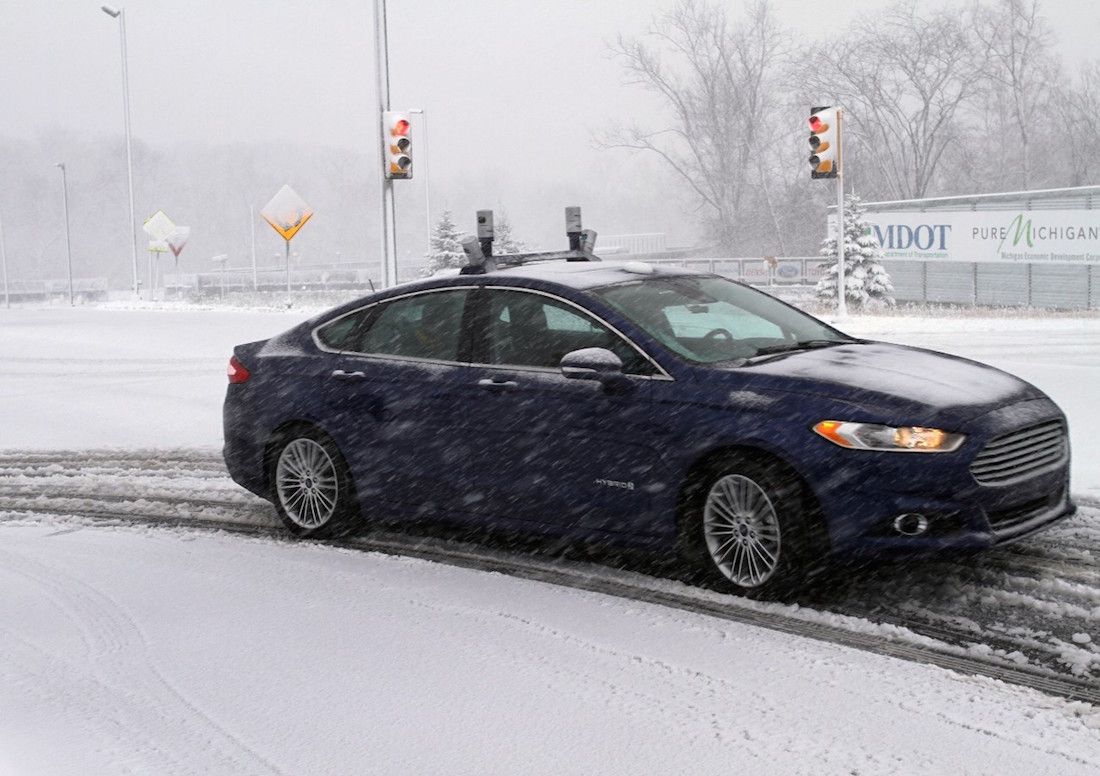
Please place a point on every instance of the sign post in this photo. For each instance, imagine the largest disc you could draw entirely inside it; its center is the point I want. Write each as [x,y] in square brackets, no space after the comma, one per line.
[155,247]
[287,213]
[158,226]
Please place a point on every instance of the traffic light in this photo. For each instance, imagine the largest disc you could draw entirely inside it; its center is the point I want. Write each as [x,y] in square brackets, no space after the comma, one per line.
[824,142]
[397,137]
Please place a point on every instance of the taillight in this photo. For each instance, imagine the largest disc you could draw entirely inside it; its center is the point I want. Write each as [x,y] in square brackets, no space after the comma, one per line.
[236,371]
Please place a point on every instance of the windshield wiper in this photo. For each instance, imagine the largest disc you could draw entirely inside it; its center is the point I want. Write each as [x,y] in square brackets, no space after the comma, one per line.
[791,347]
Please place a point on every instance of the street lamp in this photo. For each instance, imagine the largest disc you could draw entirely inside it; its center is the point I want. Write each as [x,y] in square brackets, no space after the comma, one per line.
[68,242]
[120,14]
[424,155]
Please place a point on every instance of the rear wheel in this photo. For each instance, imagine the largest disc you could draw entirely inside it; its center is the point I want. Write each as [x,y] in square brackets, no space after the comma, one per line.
[744,527]
[312,487]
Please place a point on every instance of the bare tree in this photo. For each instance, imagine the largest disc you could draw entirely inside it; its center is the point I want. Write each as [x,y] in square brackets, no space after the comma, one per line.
[1019,73]
[718,81]
[1077,108]
[904,80]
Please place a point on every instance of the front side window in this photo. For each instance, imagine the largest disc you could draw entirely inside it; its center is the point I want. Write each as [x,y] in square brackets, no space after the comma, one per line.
[426,326]
[709,319]
[526,329]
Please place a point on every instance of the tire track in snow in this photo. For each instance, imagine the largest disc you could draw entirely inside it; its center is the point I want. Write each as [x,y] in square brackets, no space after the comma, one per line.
[103,497]
[130,684]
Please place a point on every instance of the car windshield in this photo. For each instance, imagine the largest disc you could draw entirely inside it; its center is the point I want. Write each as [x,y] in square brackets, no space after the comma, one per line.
[711,320]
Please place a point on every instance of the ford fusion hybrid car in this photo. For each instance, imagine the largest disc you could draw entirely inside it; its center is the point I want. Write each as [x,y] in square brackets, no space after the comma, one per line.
[642,405]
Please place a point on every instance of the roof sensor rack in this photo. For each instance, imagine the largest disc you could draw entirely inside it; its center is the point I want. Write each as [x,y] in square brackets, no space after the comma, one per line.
[479,250]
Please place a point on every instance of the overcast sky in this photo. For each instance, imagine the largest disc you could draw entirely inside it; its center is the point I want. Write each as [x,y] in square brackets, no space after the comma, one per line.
[508,84]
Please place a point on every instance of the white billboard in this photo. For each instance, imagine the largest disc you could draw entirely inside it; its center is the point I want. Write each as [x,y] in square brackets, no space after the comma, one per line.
[1071,236]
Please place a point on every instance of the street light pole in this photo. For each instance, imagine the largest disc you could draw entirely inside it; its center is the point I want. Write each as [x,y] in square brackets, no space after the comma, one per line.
[68,242]
[120,14]
[4,262]
[252,221]
[423,113]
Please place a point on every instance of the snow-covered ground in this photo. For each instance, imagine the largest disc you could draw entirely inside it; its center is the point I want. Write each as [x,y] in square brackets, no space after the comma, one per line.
[155,378]
[120,378]
[163,651]
[157,651]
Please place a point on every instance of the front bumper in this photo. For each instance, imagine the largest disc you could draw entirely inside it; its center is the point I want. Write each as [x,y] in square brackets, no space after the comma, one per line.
[863,494]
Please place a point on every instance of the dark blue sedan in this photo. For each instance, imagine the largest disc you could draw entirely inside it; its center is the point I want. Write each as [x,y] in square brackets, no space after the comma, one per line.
[634,404]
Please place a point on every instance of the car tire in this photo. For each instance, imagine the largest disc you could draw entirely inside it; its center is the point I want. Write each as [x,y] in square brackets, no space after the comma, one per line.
[311,485]
[744,528]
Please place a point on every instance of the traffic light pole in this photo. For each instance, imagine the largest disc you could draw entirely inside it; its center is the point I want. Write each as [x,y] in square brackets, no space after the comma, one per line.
[387,204]
[841,291]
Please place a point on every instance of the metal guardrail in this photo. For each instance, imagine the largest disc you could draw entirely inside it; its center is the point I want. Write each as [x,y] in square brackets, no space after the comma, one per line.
[88,289]
[787,271]
[1048,285]
[235,280]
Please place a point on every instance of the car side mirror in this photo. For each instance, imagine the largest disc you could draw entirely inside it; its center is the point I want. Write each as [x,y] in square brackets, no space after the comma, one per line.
[598,364]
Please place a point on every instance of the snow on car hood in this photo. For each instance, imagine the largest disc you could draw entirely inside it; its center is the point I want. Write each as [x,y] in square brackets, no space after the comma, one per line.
[874,371]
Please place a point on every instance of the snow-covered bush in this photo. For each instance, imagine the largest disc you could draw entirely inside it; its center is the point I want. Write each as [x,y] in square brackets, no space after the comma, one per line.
[867,284]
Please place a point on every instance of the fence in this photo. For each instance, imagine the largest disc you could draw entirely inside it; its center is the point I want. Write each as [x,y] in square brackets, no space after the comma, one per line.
[633,243]
[995,284]
[85,289]
[235,280]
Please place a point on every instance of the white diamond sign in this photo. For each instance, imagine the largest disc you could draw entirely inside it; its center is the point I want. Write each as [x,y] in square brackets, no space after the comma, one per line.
[287,212]
[158,226]
[177,239]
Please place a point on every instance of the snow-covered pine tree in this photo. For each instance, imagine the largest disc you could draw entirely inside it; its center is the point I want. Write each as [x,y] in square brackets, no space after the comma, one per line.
[446,250]
[503,241]
[866,282]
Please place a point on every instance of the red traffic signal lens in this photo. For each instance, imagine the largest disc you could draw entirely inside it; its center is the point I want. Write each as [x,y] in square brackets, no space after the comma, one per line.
[816,124]
[401,127]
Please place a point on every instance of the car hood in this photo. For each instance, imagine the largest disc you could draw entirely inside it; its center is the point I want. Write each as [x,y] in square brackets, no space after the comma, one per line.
[876,375]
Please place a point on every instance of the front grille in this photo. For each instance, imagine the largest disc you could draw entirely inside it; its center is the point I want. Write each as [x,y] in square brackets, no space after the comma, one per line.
[1021,453]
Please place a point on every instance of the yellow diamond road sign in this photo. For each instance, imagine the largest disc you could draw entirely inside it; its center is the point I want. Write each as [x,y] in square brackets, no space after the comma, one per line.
[287,212]
[158,226]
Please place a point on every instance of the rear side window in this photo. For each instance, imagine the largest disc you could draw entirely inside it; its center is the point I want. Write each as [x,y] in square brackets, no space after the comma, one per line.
[427,325]
[338,334]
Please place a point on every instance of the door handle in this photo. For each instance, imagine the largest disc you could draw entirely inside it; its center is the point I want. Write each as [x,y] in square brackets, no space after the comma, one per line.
[497,385]
[340,374]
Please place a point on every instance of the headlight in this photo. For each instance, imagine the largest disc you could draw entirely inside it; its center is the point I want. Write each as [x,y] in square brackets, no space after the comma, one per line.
[903,439]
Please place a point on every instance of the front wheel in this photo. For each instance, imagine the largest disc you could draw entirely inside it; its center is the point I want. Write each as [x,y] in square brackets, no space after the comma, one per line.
[744,527]
[312,486]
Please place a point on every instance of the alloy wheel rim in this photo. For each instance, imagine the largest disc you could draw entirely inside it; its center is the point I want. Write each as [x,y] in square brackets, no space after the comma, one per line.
[306,480]
[741,529]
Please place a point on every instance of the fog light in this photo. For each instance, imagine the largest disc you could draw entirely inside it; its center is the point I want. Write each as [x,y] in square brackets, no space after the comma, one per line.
[911,524]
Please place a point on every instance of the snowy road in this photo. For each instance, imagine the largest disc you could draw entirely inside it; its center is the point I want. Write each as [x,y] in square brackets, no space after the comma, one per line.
[169,652]
[1032,606]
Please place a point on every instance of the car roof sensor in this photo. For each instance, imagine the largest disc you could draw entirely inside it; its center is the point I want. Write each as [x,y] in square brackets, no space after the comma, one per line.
[479,250]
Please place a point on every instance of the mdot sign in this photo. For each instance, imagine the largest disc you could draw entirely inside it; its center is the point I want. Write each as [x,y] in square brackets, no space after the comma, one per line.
[990,235]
